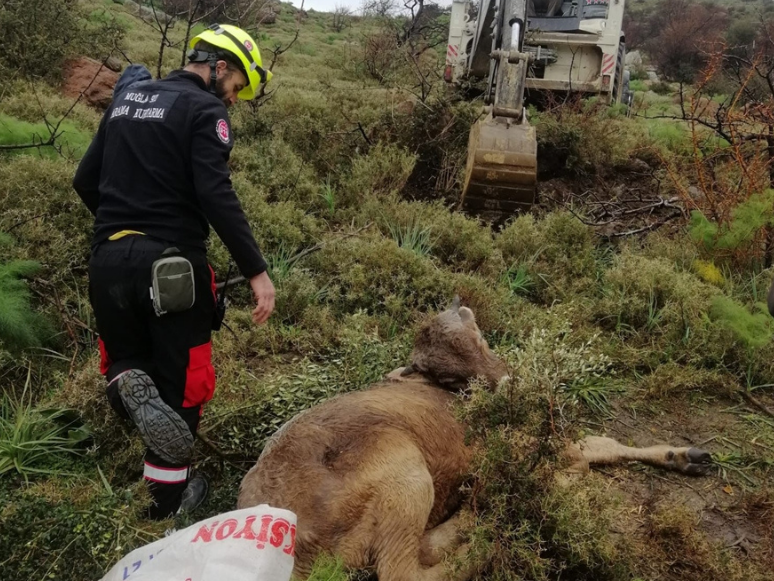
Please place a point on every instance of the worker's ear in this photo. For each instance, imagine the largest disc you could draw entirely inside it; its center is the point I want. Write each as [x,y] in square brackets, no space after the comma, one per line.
[221,67]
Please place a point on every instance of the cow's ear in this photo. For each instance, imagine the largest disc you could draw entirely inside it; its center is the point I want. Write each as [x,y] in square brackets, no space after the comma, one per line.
[455,306]
[467,315]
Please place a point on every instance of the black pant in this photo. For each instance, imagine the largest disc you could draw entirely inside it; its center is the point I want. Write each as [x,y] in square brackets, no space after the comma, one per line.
[175,349]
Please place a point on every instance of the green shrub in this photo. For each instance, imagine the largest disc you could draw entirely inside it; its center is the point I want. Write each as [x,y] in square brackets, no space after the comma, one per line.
[20,326]
[437,134]
[47,529]
[296,292]
[662,88]
[648,296]
[584,138]
[551,530]
[674,379]
[51,223]
[358,358]
[40,34]
[23,102]
[458,241]
[273,170]
[747,220]
[413,237]
[376,275]
[753,330]
[669,136]
[558,250]
[326,568]
[35,440]
[383,171]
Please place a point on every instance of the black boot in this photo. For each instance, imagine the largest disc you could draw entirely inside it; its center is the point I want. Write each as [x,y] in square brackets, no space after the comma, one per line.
[161,428]
[194,494]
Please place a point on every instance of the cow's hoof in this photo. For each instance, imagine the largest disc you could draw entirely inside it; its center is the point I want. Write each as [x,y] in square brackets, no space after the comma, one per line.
[699,462]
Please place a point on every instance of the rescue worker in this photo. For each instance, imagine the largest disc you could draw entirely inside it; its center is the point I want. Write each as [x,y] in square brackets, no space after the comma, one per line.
[156,177]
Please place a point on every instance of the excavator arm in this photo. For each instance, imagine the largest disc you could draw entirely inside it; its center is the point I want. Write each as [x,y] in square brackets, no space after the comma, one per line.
[501,169]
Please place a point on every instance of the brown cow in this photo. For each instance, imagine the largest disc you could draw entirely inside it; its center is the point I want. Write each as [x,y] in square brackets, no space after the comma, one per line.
[374,476]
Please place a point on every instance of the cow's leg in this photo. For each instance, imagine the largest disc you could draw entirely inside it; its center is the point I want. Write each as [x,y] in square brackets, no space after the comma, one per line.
[397,514]
[597,450]
[441,541]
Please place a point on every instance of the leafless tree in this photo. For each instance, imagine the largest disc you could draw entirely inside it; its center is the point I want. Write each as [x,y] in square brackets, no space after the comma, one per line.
[679,34]
[380,53]
[197,11]
[341,16]
[162,15]
[379,8]
[251,14]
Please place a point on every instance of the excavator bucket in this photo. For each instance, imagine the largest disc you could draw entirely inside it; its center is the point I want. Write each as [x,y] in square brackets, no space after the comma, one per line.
[501,170]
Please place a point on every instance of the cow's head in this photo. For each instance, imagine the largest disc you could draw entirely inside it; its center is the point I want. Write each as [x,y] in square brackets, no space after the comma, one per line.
[450,350]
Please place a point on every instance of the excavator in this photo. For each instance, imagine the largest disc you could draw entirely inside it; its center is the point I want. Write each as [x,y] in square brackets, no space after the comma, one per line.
[518,47]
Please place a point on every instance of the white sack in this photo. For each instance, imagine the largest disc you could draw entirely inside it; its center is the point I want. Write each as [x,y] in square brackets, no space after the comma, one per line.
[252,544]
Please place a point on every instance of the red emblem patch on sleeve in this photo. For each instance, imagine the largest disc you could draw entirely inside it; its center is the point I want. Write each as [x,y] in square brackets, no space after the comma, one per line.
[222,130]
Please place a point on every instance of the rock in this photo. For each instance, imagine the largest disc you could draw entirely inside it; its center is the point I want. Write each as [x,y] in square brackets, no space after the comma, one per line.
[405,107]
[695,193]
[653,76]
[79,76]
[114,64]
[149,14]
[637,165]
[132,6]
[633,59]
[266,16]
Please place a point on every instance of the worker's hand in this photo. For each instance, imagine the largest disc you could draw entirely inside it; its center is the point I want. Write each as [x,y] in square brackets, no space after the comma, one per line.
[263,289]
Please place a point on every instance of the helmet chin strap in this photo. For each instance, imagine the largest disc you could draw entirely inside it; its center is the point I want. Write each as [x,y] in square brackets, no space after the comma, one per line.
[213,60]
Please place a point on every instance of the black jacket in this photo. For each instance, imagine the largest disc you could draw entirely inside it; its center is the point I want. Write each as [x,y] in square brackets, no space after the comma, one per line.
[159,165]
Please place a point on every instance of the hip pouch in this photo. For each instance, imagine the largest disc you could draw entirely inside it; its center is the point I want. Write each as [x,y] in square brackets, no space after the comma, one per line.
[172,278]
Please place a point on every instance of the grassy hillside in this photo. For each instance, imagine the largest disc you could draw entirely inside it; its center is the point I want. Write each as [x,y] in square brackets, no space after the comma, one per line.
[348,172]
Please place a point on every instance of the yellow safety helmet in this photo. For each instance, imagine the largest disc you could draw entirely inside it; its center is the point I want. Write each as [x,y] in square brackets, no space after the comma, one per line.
[241,45]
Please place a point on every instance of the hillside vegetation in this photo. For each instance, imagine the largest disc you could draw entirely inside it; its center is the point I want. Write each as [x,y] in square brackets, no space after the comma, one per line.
[630,302]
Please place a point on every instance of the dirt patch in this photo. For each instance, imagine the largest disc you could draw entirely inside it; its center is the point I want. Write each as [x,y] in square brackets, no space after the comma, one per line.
[716,527]
[632,199]
[95,80]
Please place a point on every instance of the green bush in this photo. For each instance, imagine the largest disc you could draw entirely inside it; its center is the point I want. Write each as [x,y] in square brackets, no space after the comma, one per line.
[747,221]
[383,171]
[551,530]
[359,357]
[662,88]
[457,241]
[559,252]
[753,330]
[36,440]
[46,530]
[669,136]
[376,275]
[649,296]
[40,34]
[326,568]
[584,138]
[20,326]
[51,223]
